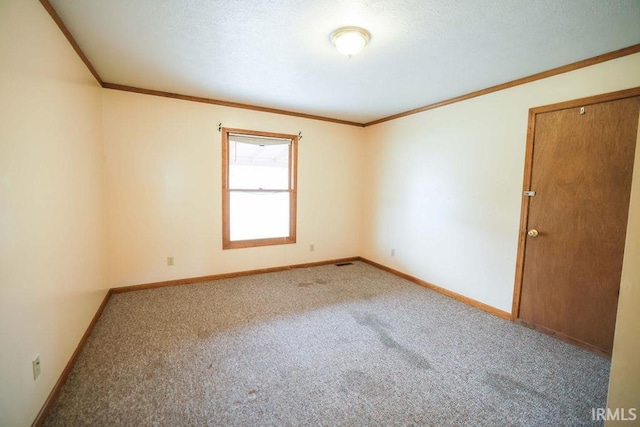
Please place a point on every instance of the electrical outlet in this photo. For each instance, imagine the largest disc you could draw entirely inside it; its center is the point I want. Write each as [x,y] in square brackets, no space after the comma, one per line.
[170,261]
[312,247]
[36,367]
[393,252]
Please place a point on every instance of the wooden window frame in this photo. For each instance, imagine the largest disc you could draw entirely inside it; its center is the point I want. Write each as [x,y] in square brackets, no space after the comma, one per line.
[227,243]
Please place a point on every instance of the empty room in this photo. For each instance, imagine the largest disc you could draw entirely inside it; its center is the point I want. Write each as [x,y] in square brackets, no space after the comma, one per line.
[326,212]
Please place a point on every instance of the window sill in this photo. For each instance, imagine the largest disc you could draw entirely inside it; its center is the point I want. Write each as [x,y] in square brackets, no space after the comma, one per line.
[238,244]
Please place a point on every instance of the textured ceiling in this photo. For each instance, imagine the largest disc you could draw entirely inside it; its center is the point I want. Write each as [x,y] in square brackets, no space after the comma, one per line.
[277,53]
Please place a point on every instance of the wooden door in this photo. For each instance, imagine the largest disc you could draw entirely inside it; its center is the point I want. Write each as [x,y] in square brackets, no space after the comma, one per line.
[581,173]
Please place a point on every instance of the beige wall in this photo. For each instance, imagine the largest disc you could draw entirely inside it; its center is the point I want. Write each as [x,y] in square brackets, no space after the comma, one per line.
[52,225]
[624,386]
[444,186]
[164,189]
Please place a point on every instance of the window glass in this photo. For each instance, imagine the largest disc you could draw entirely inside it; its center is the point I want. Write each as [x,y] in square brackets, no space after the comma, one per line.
[259,215]
[255,167]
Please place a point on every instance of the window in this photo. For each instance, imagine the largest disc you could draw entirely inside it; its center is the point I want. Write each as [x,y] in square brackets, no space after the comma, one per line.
[258,188]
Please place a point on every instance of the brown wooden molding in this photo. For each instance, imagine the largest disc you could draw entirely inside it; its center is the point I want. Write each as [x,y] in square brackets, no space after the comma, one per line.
[544,74]
[524,80]
[54,15]
[125,88]
[67,369]
[538,76]
[524,216]
[69,37]
[199,279]
[589,100]
[65,373]
[469,301]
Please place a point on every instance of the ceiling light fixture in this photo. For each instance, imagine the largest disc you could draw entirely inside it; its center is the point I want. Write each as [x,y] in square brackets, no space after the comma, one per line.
[350,40]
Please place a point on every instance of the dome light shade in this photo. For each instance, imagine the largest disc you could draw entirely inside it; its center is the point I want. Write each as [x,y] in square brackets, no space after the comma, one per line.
[350,40]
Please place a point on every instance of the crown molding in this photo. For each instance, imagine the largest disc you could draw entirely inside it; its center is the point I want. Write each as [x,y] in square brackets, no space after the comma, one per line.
[125,88]
[56,18]
[524,80]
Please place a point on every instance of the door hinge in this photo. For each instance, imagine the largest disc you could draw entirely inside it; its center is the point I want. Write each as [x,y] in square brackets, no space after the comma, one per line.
[529,193]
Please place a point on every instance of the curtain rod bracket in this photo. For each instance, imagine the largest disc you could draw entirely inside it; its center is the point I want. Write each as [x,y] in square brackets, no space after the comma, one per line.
[299,135]
[219,126]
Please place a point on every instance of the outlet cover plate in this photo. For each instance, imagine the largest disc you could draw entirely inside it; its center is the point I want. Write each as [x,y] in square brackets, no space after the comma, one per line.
[36,367]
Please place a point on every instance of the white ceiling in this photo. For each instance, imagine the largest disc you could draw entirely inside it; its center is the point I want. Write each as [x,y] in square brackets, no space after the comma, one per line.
[277,53]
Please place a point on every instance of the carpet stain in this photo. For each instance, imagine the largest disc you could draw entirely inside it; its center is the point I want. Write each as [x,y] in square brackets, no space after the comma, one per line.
[153,370]
[315,282]
[510,387]
[370,320]
[252,395]
[204,334]
[304,285]
[380,327]
[356,381]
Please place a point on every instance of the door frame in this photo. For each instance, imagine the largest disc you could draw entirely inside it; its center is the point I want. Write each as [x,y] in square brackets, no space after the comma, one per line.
[528,168]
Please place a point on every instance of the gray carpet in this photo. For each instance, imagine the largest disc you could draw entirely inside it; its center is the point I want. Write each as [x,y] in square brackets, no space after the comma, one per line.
[327,345]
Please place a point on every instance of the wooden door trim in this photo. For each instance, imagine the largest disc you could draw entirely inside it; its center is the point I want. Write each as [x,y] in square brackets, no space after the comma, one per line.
[528,168]
[524,214]
[581,102]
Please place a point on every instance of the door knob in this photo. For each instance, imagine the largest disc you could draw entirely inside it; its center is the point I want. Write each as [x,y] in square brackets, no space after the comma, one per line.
[533,233]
